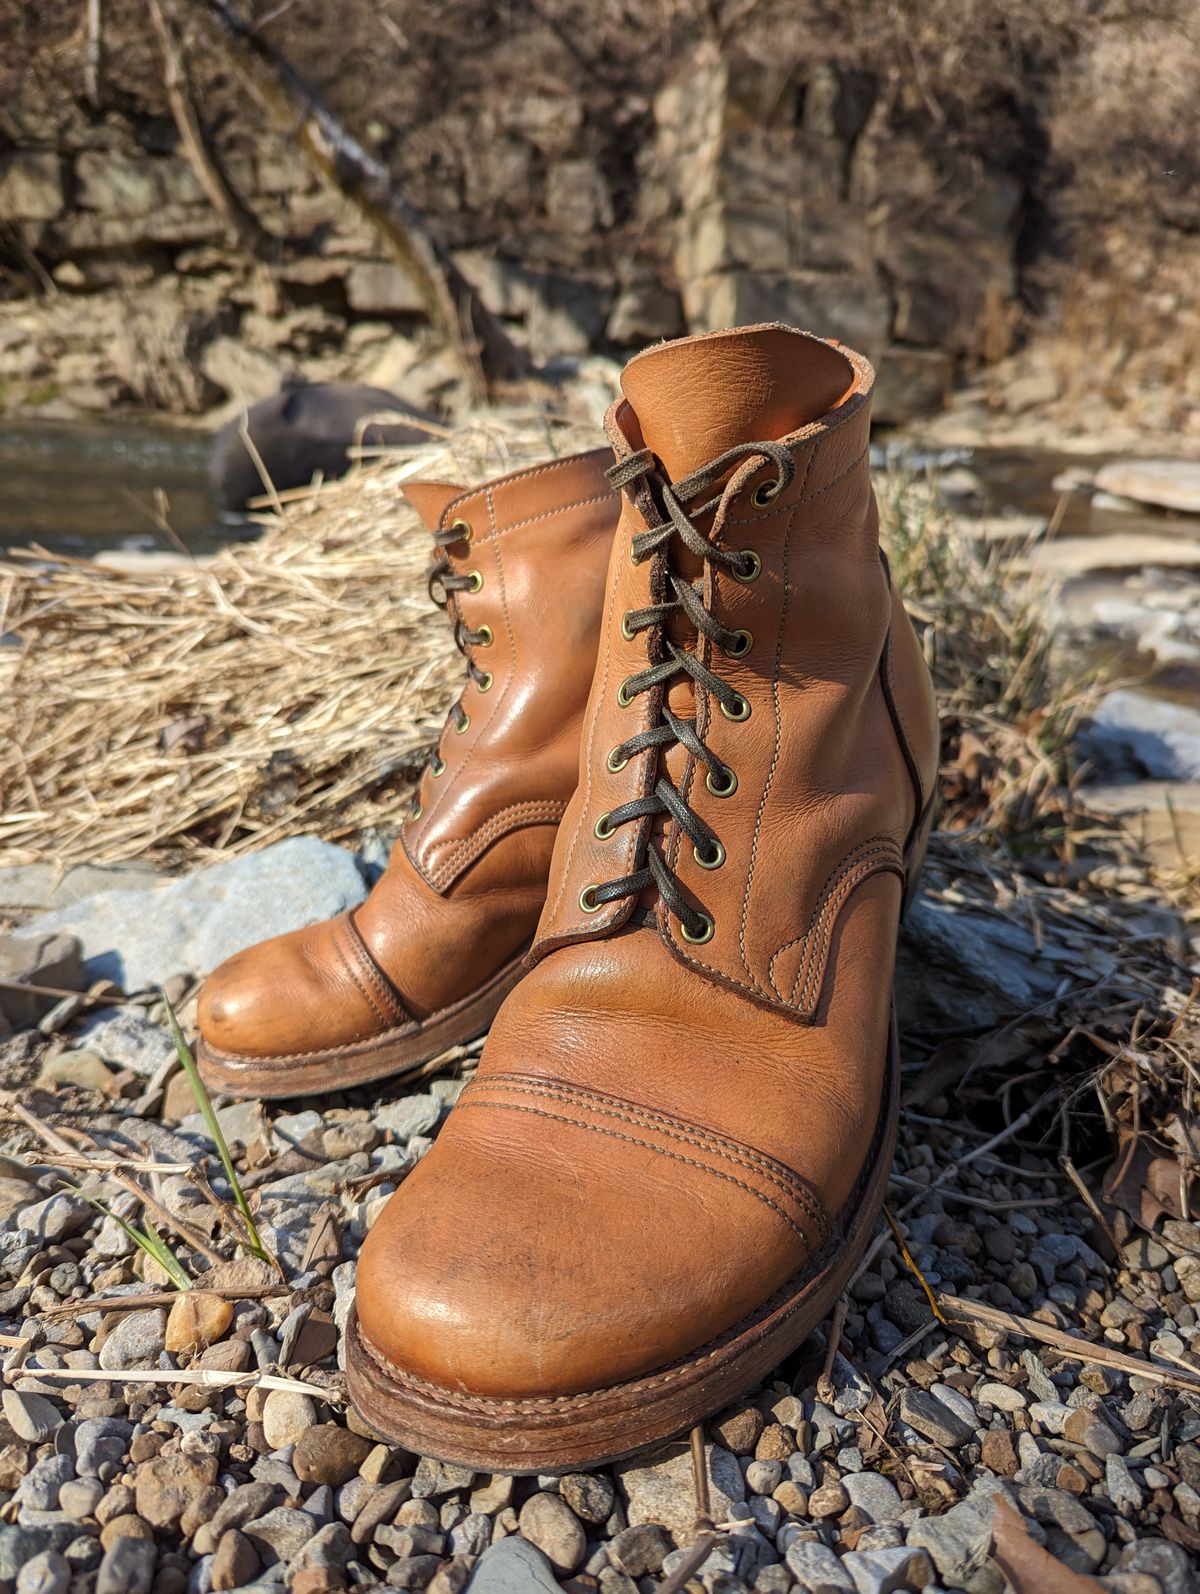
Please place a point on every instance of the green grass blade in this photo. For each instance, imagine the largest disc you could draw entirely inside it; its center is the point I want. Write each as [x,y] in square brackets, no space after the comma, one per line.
[152,1243]
[255,1246]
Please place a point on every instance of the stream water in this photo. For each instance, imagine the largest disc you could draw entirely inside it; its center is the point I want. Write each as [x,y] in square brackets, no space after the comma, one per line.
[76,487]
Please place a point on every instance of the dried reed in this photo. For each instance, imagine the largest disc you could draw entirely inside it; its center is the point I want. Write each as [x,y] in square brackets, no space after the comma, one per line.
[288,685]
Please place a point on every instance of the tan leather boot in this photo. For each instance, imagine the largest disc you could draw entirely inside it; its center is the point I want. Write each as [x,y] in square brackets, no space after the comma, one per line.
[679,1137]
[425,962]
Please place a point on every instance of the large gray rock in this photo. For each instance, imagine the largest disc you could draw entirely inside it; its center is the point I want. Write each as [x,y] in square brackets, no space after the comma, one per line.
[513,1566]
[1166,483]
[959,1540]
[126,1039]
[139,939]
[1158,738]
[30,887]
[953,960]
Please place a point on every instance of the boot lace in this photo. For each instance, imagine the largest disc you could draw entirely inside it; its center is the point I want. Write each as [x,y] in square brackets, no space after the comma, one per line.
[669,662]
[442,583]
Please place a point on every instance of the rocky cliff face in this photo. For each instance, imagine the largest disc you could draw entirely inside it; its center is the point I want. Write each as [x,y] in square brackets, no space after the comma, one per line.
[593,215]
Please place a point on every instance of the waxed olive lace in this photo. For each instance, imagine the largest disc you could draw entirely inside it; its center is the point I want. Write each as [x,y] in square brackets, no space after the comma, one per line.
[669,662]
[442,582]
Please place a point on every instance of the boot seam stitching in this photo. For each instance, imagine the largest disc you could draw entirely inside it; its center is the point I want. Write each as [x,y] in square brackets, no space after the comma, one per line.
[867,859]
[648,1145]
[469,849]
[586,790]
[364,974]
[679,1129]
[417,853]
[528,473]
[772,994]
[901,732]
[745,520]
[497,530]
[397,1012]
[777,750]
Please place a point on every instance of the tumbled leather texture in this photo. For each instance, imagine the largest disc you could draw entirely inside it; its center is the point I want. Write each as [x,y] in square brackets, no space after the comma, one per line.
[664,1135]
[465,884]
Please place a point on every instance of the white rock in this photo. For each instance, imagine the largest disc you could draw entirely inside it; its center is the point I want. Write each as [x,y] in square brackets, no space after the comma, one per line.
[661,1490]
[286,1416]
[1166,483]
[1163,738]
[1049,1415]
[1001,1397]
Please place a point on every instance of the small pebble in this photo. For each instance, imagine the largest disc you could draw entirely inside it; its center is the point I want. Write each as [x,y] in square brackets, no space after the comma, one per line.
[548,1522]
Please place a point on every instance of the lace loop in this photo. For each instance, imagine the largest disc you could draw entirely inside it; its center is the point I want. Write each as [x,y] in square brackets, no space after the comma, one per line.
[673,663]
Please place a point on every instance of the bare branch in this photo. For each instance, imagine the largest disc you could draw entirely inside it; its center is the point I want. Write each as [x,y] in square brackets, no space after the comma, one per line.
[93,53]
[244,228]
[487,355]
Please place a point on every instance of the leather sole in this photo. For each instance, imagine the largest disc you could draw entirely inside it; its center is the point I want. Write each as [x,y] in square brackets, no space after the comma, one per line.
[556,1434]
[397,1054]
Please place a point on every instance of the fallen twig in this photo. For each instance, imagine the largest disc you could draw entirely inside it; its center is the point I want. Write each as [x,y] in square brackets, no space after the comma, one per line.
[1081,1350]
[137,1303]
[836,1324]
[200,1377]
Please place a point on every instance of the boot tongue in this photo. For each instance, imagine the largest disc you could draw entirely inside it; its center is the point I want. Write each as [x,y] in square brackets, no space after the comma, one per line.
[431,499]
[696,397]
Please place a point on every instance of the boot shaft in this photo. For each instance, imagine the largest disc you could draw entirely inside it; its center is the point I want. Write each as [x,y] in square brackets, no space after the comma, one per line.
[812,753]
[523,565]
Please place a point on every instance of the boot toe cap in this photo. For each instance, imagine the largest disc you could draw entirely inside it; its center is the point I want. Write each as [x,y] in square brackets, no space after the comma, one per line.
[285,997]
[515,1265]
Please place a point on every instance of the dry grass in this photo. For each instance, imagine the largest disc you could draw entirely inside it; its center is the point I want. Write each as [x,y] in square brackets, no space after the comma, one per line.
[289,685]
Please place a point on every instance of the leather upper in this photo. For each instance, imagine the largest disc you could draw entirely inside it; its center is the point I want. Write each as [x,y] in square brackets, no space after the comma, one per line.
[665,1133]
[465,884]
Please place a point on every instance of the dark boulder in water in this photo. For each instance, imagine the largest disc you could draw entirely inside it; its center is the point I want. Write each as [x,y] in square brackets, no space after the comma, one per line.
[302,431]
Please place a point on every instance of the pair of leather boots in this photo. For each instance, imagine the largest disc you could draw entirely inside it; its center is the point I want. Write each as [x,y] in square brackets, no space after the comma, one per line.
[662,849]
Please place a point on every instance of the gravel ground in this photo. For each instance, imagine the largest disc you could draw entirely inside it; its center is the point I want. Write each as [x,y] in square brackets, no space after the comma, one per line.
[870,1464]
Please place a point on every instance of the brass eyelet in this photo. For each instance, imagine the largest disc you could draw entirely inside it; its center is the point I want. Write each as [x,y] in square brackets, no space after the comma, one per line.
[705,935]
[737,714]
[624,696]
[713,862]
[438,767]
[463,725]
[484,637]
[764,495]
[587,900]
[463,528]
[722,790]
[744,641]
[615,764]
[484,683]
[476,579]
[415,811]
[625,631]
[752,567]
[604,828]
